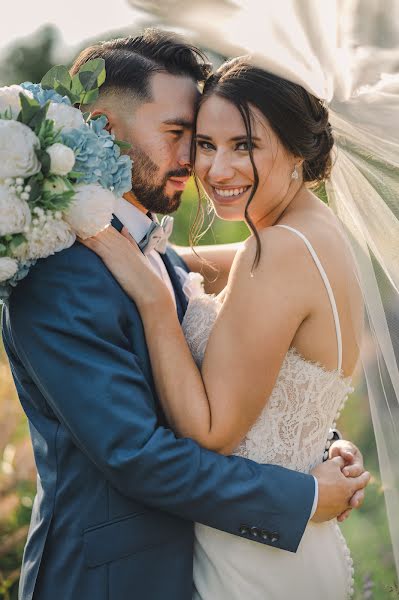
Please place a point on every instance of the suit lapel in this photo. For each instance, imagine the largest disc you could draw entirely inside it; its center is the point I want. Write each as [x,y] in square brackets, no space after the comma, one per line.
[116,223]
[181,301]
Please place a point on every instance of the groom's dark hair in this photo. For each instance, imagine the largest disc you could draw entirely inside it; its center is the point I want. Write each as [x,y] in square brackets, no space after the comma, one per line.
[131,61]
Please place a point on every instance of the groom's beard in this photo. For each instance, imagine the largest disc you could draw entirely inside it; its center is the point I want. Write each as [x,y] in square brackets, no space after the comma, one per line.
[146,187]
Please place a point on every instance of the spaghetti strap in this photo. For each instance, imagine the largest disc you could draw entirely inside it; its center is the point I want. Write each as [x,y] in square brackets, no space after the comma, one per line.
[328,288]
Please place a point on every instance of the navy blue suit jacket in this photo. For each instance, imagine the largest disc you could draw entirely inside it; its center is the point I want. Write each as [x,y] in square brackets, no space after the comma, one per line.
[117,492]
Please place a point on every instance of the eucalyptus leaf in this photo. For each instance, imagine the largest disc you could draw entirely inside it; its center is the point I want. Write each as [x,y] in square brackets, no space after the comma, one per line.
[64,91]
[36,121]
[123,145]
[16,241]
[75,175]
[76,88]
[45,160]
[96,69]
[89,97]
[57,74]
[3,249]
[29,108]
[36,190]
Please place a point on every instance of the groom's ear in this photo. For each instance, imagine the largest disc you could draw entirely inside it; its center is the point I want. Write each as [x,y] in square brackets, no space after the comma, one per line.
[110,119]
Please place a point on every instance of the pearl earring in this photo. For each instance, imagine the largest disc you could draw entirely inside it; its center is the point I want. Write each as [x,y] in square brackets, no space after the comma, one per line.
[295,174]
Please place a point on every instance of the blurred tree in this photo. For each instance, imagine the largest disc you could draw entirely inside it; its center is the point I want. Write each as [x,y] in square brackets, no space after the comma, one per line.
[28,59]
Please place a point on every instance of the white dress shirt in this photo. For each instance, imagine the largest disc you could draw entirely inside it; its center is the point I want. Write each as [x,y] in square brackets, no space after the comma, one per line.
[138,223]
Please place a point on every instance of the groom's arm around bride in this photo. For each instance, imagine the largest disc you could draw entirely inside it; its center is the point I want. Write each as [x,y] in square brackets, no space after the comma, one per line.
[117,491]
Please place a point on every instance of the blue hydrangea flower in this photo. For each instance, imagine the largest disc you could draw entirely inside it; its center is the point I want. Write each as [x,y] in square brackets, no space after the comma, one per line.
[98,158]
[7,287]
[116,171]
[42,95]
[88,152]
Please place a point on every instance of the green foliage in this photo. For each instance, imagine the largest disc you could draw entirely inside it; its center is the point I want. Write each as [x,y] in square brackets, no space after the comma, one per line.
[57,193]
[82,88]
[10,242]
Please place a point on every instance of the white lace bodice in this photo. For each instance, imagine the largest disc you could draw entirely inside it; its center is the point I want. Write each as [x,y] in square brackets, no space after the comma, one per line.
[293,428]
[306,400]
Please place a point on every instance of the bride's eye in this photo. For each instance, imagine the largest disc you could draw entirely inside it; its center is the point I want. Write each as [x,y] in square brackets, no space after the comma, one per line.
[244,146]
[204,145]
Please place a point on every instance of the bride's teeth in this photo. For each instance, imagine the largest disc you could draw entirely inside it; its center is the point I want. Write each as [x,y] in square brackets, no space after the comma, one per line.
[230,193]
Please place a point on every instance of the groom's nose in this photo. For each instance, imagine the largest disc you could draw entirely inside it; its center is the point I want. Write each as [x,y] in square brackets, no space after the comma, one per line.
[184,154]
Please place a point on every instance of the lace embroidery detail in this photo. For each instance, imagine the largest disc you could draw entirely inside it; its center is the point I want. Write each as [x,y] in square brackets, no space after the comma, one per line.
[306,400]
[292,429]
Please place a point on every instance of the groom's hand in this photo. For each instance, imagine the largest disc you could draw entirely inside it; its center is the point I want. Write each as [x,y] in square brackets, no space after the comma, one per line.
[335,489]
[353,467]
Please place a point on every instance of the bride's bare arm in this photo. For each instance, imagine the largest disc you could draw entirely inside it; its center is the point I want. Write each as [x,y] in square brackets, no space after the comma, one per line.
[213,262]
[252,334]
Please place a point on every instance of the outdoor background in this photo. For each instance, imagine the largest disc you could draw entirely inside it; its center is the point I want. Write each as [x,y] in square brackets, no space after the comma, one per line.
[26,53]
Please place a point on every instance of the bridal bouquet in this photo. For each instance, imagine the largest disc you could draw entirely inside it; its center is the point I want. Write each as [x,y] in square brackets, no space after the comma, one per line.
[59,169]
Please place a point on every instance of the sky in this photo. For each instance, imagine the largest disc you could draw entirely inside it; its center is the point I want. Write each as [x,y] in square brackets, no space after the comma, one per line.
[77,20]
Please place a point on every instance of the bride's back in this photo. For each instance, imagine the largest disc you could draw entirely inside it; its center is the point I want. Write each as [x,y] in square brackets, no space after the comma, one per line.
[316,338]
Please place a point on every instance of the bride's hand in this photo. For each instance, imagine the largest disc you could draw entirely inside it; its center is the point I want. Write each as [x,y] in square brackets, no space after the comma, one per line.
[129,266]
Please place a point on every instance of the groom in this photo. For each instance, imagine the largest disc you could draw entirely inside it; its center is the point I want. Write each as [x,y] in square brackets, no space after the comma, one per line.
[117,493]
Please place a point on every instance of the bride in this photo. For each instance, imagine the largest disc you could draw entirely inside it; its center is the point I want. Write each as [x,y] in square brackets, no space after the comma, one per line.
[263,368]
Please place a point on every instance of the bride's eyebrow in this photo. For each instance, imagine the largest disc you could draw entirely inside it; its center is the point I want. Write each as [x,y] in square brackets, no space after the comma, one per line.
[236,138]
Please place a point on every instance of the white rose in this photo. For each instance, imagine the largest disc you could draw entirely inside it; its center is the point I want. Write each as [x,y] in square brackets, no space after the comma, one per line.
[9,99]
[91,210]
[8,268]
[14,212]
[65,116]
[17,150]
[62,159]
[51,235]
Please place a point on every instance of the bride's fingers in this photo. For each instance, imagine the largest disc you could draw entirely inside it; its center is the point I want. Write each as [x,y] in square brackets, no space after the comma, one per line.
[357,499]
[344,515]
[338,460]
[353,470]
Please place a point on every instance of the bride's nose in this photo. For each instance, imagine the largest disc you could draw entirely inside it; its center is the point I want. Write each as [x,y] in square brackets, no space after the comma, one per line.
[221,168]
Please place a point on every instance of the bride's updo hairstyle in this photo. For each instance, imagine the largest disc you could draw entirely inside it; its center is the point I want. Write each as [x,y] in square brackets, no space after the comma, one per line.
[299,119]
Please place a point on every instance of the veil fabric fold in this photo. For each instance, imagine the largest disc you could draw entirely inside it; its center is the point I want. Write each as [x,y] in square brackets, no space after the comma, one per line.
[306,42]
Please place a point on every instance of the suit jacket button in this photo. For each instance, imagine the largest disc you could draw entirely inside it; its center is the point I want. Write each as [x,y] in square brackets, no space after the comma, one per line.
[255,532]
[265,535]
[274,537]
[244,530]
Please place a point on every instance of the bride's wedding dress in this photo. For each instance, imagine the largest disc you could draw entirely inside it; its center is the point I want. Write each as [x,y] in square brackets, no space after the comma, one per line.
[291,431]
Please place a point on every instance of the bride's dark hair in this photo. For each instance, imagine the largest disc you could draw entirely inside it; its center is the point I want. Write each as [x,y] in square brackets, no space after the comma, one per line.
[299,119]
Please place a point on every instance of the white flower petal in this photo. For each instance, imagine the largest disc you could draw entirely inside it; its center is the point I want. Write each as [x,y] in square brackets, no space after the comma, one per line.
[65,116]
[91,210]
[8,268]
[14,213]
[9,99]
[62,159]
[17,150]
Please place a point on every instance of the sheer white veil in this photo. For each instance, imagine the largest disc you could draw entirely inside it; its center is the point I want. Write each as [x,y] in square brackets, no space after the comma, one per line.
[307,42]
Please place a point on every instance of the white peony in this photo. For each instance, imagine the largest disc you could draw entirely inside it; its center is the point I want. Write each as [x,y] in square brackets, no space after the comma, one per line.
[14,212]
[17,150]
[9,99]
[62,159]
[65,116]
[91,210]
[48,236]
[8,268]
